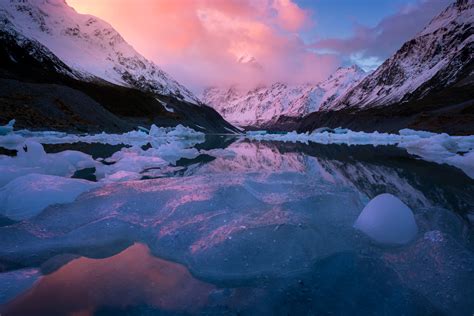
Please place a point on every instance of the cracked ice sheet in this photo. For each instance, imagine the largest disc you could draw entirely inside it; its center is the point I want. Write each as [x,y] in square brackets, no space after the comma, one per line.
[203,221]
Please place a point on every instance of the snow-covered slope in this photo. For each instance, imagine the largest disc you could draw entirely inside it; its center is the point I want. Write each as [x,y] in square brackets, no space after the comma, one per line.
[88,45]
[439,56]
[265,104]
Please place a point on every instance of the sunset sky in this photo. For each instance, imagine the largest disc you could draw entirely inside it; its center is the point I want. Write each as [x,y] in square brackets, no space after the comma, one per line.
[250,42]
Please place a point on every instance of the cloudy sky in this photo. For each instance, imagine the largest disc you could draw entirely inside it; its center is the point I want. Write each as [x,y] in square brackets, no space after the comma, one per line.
[250,42]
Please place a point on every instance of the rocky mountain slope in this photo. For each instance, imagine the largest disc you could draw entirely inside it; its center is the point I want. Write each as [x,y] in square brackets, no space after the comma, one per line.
[439,56]
[88,45]
[264,105]
[427,84]
[47,49]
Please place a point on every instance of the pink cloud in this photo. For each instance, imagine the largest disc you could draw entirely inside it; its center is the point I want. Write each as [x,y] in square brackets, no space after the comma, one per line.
[199,42]
[381,41]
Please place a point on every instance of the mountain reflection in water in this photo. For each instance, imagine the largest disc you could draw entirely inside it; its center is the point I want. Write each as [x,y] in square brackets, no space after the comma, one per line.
[254,227]
[132,277]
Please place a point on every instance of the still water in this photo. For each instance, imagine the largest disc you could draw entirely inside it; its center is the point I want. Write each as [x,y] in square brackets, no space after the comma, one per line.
[247,228]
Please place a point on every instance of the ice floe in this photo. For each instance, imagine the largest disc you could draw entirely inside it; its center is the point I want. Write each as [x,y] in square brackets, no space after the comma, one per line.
[139,137]
[165,146]
[387,220]
[440,148]
[28,195]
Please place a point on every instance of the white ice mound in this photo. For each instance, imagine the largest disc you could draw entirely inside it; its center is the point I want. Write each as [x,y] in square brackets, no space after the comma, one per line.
[179,131]
[387,220]
[28,195]
[7,129]
[31,158]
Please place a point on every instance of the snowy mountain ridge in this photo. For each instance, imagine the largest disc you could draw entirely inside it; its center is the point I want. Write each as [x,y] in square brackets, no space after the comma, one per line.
[90,47]
[268,103]
[437,57]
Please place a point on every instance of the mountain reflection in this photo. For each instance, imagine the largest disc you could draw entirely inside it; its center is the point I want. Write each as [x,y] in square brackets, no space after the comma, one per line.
[132,277]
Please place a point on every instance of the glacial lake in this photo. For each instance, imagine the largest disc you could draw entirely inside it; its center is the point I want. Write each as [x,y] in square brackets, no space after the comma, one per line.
[246,227]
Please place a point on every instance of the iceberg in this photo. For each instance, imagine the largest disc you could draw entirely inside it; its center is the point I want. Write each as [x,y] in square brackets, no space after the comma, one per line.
[127,164]
[387,220]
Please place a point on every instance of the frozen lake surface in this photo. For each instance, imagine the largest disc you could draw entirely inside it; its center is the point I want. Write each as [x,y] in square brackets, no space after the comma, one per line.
[194,224]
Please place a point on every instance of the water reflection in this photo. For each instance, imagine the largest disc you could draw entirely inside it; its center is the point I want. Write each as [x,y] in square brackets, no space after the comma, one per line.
[262,228]
[132,277]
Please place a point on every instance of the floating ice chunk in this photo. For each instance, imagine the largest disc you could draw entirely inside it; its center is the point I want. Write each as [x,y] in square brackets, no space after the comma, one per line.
[31,158]
[387,220]
[7,129]
[28,195]
[179,131]
[172,152]
[464,162]
[457,151]
[340,130]
[182,131]
[128,161]
[438,146]
[412,132]
[11,141]
[155,131]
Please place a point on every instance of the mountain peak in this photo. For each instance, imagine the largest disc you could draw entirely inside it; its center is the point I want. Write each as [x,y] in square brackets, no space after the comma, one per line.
[459,12]
[265,104]
[351,69]
[249,60]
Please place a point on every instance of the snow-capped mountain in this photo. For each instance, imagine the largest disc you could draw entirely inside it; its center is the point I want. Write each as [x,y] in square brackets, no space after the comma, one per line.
[265,104]
[90,47]
[439,56]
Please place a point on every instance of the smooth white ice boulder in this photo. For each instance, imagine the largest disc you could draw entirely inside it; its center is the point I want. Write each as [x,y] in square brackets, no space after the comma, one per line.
[387,220]
[28,195]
